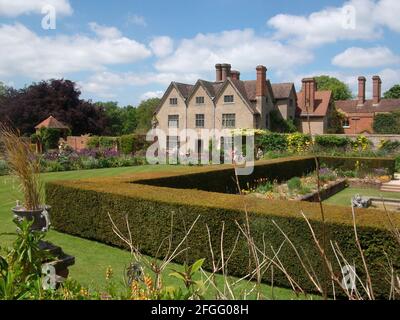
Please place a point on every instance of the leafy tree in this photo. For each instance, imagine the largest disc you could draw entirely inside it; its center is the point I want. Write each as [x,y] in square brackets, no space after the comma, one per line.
[387,123]
[145,113]
[130,122]
[340,90]
[3,89]
[393,92]
[27,107]
[114,117]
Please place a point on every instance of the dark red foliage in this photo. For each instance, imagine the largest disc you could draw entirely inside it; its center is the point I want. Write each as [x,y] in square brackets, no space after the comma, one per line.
[27,107]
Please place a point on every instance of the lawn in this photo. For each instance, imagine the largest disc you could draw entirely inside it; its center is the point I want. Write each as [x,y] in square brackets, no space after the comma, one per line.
[344,197]
[93,258]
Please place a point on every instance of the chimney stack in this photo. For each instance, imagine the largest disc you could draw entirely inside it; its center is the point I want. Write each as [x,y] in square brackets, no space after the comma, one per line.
[309,89]
[226,71]
[376,90]
[361,90]
[261,81]
[218,70]
[235,75]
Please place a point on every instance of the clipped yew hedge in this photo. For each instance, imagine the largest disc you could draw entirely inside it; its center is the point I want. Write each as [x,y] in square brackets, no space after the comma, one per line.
[364,164]
[80,208]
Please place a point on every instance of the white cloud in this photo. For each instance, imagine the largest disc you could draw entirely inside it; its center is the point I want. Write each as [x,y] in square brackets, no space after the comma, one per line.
[136,20]
[387,13]
[151,94]
[13,8]
[334,23]
[105,83]
[25,53]
[242,48]
[366,57]
[162,46]
[104,31]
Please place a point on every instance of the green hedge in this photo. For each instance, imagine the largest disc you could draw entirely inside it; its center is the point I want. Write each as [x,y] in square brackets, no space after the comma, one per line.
[331,141]
[80,208]
[362,164]
[224,180]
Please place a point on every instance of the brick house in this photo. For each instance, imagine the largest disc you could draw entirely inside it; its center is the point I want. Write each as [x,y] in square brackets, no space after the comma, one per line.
[226,103]
[314,108]
[360,112]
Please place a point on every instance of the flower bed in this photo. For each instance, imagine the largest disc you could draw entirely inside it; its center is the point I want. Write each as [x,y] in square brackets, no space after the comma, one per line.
[306,188]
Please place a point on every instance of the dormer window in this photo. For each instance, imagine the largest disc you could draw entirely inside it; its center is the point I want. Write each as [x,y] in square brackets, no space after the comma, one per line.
[229,99]
[199,100]
[173,101]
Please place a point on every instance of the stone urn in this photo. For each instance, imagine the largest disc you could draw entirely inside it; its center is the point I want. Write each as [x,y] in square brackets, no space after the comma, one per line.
[40,217]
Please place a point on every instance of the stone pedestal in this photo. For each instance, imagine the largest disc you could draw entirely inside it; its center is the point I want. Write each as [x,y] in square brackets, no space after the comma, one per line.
[59,260]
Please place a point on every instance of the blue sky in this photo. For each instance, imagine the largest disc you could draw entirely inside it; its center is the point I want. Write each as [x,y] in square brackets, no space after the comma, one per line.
[126,51]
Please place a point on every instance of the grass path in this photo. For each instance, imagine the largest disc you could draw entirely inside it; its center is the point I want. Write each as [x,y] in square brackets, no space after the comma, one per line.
[344,197]
[93,258]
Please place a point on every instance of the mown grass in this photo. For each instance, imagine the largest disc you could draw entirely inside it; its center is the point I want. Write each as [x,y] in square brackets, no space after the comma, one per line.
[93,258]
[344,197]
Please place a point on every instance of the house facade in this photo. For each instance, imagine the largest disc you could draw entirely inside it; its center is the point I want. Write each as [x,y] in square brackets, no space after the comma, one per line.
[226,103]
[314,108]
[360,113]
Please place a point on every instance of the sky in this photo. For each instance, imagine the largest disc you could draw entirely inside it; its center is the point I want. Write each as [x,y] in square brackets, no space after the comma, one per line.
[127,51]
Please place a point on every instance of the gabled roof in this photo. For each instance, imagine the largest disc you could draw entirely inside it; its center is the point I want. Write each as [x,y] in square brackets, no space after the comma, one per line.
[51,123]
[282,90]
[212,88]
[183,89]
[385,105]
[322,101]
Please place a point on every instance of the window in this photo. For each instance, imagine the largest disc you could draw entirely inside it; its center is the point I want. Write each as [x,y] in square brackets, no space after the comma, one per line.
[229,120]
[199,100]
[229,99]
[173,101]
[346,123]
[173,121]
[199,120]
[173,143]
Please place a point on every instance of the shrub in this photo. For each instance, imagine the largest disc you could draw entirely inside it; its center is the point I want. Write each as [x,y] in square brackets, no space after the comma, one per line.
[298,142]
[126,144]
[294,184]
[389,146]
[81,207]
[330,141]
[271,142]
[387,123]
[362,143]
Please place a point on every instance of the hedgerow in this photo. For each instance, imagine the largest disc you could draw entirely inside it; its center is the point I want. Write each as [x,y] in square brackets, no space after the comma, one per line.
[80,208]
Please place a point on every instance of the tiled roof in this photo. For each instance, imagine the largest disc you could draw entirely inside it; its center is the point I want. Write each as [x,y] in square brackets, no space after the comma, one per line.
[184,89]
[322,99]
[51,123]
[385,105]
[282,90]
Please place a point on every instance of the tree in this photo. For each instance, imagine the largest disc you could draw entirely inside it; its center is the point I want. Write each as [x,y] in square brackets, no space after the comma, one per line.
[393,92]
[27,107]
[387,123]
[145,113]
[340,90]
[3,89]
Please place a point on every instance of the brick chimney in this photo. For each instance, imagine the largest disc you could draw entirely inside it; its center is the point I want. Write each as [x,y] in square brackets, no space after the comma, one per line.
[226,71]
[218,71]
[235,75]
[361,90]
[309,89]
[376,90]
[261,81]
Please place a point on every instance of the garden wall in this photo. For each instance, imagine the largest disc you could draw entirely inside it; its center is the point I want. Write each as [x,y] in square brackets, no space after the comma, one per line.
[81,207]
